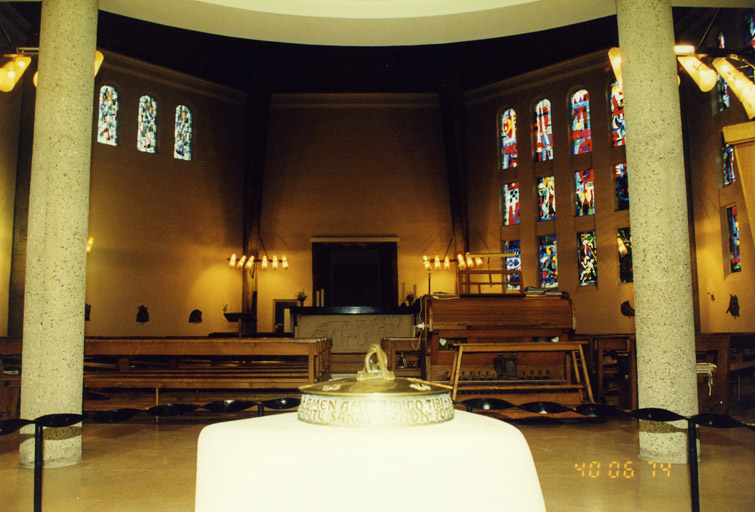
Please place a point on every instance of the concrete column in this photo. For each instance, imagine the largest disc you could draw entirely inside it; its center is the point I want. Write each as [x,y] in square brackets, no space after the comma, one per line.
[660,233]
[53,351]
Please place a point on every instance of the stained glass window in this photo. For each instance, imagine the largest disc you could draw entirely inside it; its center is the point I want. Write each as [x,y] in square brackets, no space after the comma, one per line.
[508,139]
[546,193]
[511,204]
[548,262]
[750,35]
[182,133]
[543,131]
[584,192]
[735,257]
[580,123]
[622,186]
[513,263]
[147,137]
[618,127]
[723,88]
[107,123]
[587,259]
[728,158]
[624,241]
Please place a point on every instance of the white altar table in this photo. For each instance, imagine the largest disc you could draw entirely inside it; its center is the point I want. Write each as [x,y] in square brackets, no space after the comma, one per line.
[277,463]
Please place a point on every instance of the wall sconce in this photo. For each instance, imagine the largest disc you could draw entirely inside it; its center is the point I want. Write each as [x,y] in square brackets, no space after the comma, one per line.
[90,243]
[11,71]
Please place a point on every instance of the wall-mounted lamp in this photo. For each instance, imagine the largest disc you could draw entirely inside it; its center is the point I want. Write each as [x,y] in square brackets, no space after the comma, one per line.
[90,243]
[11,71]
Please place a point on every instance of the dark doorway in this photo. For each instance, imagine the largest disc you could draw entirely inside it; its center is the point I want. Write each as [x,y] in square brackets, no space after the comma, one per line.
[355,274]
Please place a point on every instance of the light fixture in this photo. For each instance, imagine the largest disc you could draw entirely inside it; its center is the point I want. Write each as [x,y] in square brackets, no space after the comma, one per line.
[13,70]
[90,243]
[614,55]
[705,77]
[743,87]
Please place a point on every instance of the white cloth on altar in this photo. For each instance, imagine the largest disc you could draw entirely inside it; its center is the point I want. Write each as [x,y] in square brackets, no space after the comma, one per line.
[277,463]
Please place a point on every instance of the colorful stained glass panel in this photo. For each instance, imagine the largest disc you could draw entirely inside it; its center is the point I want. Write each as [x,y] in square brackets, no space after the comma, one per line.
[580,122]
[182,133]
[624,241]
[543,131]
[587,259]
[728,160]
[511,204]
[735,256]
[618,126]
[622,186]
[513,263]
[546,193]
[724,101]
[508,139]
[107,123]
[584,192]
[147,137]
[548,262]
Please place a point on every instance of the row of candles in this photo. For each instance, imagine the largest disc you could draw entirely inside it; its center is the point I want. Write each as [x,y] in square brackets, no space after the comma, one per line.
[247,262]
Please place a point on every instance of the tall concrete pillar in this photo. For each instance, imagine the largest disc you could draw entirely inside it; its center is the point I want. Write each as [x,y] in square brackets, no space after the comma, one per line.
[660,232]
[53,333]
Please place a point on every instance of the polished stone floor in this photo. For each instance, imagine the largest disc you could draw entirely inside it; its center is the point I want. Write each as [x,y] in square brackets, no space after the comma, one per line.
[140,465]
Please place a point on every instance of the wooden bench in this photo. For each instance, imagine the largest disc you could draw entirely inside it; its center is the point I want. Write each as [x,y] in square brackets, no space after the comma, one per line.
[733,355]
[575,366]
[136,369]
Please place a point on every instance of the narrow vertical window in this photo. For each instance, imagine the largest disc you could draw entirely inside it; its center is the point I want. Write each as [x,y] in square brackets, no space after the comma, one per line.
[622,186]
[107,121]
[513,263]
[508,139]
[735,257]
[546,194]
[580,123]
[750,36]
[723,88]
[728,161]
[543,131]
[511,204]
[624,241]
[587,259]
[584,192]
[147,137]
[618,127]
[548,262]
[182,133]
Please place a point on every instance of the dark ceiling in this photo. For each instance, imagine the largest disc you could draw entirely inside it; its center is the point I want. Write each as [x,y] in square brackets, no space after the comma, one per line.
[309,68]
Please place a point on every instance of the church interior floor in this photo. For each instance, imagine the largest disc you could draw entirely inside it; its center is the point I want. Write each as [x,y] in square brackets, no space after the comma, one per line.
[141,465]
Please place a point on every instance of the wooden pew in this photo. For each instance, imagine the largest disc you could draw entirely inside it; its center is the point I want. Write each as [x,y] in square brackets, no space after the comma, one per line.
[203,367]
[734,355]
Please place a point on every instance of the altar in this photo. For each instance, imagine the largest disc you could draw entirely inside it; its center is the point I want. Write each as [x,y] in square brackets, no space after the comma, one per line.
[278,463]
[354,328]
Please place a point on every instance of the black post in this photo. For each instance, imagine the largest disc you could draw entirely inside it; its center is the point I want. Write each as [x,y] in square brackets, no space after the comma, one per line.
[38,463]
[694,488]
